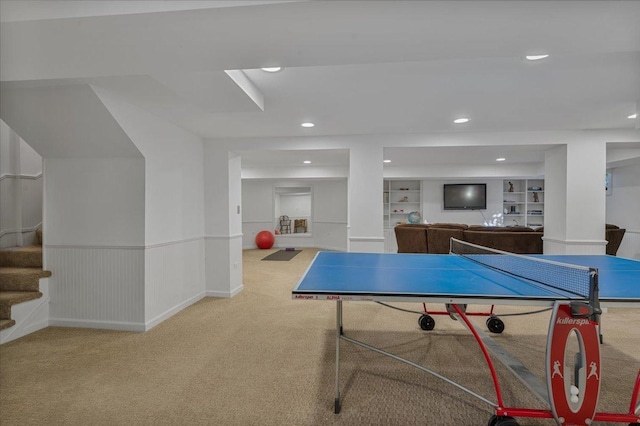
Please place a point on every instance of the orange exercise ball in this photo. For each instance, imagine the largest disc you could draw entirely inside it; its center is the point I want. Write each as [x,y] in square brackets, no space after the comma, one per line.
[265,240]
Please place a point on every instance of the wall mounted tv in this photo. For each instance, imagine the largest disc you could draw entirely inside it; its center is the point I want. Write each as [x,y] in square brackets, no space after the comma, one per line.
[465,196]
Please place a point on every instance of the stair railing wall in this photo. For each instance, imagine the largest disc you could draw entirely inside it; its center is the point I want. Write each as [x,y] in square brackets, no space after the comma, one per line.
[21,187]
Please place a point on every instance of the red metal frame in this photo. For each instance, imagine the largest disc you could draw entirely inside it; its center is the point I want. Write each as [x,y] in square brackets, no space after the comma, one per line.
[501,410]
[471,314]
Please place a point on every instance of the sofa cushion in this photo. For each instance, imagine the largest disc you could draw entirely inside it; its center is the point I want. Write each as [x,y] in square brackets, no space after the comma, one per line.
[614,239]
[527,242]
[449,225]
[500,228]
[439,239]
[411,238]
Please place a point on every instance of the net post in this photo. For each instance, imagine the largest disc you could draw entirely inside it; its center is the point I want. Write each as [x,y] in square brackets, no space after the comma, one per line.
[594,299]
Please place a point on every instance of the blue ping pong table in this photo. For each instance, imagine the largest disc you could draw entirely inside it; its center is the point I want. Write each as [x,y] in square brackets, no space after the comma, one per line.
[457,280]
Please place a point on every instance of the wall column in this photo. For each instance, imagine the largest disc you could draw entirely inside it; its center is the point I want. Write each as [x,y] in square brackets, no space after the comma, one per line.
[575,198]
[223,221]
[365,198]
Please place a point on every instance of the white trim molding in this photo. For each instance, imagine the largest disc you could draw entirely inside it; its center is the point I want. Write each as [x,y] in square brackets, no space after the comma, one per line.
[576,242]
[223,237]
[367,239]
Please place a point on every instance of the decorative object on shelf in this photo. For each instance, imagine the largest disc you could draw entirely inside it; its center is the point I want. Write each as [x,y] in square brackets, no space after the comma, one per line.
[404,189]
[398,210]
[285,224]
[511,187]
[535,188]
[404,199]
[414,217]
[300,226]
[505,211]
[536,199]
[265,240]
[513,210]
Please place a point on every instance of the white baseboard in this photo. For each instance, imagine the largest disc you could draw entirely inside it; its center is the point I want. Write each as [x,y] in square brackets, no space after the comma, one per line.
[172,311]
[225,294]
[103,325]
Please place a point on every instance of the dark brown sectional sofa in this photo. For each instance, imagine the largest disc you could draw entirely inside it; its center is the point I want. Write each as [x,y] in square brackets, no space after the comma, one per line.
[434,238]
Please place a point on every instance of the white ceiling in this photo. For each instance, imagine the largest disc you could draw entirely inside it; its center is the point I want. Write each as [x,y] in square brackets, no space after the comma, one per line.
[353,68]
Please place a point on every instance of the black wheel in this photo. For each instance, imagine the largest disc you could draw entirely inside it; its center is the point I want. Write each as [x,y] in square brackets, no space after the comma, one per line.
[426,322]
[502,421]
[495,325]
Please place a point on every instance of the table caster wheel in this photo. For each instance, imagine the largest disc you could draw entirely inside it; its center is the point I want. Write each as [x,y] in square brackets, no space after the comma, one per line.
[502,421]
[495,325]
[426,322]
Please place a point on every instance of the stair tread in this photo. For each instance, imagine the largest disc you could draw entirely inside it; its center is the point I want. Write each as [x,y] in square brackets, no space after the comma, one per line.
[6,323]
[15,270]
[27,256]
[10,298]
[23,249]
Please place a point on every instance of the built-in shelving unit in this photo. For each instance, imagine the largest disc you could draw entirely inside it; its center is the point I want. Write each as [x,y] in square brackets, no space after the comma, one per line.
[523,201]
[400,197]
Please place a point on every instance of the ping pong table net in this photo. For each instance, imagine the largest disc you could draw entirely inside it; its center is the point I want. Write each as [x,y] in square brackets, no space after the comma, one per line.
[566,280]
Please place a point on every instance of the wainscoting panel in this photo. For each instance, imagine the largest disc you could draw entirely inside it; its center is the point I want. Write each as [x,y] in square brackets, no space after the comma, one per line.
[330,235]
[98,287]
[174,278]
[223,265]
[251,229]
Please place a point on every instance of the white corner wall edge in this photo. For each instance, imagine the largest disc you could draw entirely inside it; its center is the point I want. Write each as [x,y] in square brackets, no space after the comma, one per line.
[29,316]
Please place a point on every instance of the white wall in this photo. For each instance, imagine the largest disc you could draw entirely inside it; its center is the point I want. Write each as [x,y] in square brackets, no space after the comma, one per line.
[623,207]
[174,172]
[95,202]
[329,219]
[433,209]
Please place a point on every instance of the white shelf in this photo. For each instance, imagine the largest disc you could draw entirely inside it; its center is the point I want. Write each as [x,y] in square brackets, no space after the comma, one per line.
[391,200]
[522,198]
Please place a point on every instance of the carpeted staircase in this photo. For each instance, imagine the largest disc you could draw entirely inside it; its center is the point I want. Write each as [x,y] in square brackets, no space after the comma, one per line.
[20,273]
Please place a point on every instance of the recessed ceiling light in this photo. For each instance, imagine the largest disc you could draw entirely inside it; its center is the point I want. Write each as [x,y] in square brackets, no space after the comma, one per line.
[500,159]
[536,57]
[386,161]
[461,120]
[633,116]
[307,124]
[271,69]
[307,162]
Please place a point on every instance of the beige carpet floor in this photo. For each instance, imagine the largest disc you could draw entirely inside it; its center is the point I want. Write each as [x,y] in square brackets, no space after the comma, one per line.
[262,358]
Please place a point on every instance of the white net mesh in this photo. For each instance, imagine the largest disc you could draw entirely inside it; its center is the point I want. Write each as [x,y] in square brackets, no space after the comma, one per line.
[578,280]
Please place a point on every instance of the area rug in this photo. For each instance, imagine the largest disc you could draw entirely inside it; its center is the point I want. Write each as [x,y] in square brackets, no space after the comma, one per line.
[282,255]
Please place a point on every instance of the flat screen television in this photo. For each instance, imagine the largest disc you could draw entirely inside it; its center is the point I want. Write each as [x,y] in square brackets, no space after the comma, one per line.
[465,196]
